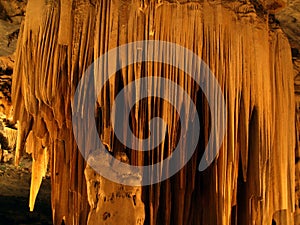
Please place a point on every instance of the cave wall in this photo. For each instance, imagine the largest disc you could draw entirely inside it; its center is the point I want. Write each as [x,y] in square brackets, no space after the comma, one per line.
[289,18]
[251,181]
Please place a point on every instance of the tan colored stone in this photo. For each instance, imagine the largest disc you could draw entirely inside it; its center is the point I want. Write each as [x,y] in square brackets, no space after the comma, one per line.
[251,181]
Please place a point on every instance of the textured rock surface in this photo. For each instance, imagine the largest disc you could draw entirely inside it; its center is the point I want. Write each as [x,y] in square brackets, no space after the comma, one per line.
[289,19]
[112,203]
[251,182]
[14,192]
[11,16]
[6,70]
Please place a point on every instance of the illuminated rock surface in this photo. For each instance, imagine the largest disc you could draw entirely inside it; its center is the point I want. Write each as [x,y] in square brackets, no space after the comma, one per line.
[289,19]
[253,179]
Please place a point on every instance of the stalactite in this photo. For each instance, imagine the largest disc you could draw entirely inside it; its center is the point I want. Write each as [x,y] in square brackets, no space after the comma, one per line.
[251,181]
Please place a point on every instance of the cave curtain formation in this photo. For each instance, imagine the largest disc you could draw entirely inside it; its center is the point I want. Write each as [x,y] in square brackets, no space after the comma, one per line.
[252,179]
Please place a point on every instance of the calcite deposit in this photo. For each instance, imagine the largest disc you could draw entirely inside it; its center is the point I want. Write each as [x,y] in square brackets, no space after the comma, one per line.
[252,180]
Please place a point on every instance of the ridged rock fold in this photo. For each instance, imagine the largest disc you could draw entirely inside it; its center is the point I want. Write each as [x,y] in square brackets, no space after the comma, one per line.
[252,179]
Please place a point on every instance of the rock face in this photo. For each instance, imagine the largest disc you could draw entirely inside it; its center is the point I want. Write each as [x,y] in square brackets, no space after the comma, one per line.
[112,203]
[289,19]
[253,178]
[11,16]
[6,70]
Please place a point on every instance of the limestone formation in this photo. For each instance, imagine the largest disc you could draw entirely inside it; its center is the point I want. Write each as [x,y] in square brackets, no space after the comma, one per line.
[253,178]
[289,19]
[112,203]
[11,16]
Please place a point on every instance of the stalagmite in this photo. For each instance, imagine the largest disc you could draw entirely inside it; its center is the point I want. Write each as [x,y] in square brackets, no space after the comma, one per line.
[112,203]
[252,179]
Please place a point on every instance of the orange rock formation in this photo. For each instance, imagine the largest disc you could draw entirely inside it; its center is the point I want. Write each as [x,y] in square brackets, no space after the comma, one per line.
[252,179]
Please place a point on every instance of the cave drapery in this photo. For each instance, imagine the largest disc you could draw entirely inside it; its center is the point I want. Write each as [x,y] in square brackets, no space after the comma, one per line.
[252,179]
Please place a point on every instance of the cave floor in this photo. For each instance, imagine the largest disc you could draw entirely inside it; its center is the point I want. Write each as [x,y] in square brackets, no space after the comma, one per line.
[14,196]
